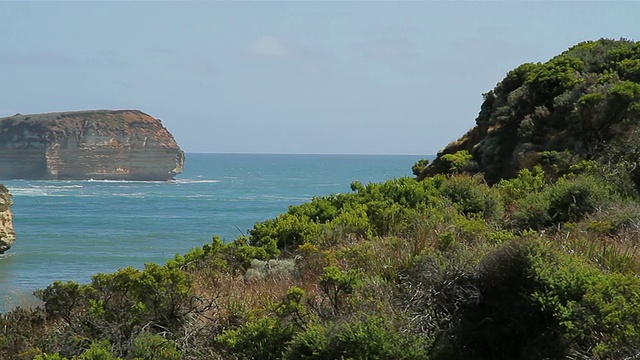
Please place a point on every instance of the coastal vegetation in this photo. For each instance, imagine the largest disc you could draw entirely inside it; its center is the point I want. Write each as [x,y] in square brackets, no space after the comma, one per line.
[521,240]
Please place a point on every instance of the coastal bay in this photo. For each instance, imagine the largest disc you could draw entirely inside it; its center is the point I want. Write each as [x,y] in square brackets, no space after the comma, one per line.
[70,230]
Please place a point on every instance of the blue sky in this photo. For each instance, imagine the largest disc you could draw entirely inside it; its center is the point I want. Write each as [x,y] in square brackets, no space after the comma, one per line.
[288,77]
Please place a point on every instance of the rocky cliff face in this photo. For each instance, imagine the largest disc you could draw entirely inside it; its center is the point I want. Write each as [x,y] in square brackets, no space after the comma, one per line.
[100,145]
[7,234]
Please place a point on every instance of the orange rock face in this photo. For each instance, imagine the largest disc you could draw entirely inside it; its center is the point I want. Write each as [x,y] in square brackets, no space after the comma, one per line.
[102,144]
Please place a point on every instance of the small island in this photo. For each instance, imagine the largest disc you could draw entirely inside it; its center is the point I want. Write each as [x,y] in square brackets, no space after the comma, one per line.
[83,145]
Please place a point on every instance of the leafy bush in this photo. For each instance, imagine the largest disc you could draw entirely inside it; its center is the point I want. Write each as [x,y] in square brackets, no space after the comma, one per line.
[285,231]
[597,312]
[154,295]
[527,182]
[504,309]
[458,162]
[49,357]
[320,209]
[337,284]
[353,221]
[368,337]
[99,350]
[419,167]
[115,307]
[21,329]
[570,199]
[264,338]
[154,347]
[471,195]
[61,298]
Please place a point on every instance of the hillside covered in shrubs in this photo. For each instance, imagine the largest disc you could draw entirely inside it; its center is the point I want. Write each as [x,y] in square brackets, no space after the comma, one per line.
[580,105]
[520,241]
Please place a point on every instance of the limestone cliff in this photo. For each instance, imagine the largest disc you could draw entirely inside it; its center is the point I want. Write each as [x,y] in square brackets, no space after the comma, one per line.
[7,234]
[100,145]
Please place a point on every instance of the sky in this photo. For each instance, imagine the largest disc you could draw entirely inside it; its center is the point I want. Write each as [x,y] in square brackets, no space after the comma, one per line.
[329,77]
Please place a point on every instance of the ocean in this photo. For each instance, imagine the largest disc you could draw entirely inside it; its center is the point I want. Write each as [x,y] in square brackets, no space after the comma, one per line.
[70,230]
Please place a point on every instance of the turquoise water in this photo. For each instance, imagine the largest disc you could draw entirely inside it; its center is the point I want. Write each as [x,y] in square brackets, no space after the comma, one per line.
[70,230]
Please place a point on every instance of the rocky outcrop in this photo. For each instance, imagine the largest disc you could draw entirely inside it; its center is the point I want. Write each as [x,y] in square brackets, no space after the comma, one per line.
[583,104]
[100,145]
[7,234]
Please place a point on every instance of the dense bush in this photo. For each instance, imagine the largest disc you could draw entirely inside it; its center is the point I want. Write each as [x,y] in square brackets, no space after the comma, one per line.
[358,339]
[472,196]
[570,199]
[264,338]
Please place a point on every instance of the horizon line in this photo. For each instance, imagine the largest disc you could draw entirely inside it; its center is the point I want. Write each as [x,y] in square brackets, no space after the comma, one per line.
[284,153]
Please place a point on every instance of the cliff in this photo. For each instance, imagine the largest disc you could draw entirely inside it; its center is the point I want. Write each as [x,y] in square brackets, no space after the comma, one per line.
[7,234]
[583,104]
[101,145]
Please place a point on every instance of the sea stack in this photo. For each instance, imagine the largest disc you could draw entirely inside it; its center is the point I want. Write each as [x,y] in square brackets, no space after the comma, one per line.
[82,145]
[7,233]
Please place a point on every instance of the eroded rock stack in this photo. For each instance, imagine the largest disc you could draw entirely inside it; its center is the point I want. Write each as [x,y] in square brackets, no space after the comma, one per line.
[100,145]
[7,233]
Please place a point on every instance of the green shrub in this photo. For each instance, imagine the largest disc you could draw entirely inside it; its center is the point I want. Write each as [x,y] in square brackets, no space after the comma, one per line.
[114,307]
[353,221]
[49,357]
[505,322]
[319,209]
[386,217]
[556,164]
[598,313]
[292,308]
[21,330]
[419,167]
[472,196]
[500,236]
[609,315]
[527,182]
[212,255]
[369,337]
[285,231]
[312,343]
[154,295]
[154,347]
[571,199]
[264,338]
[240,252]
[61,298]
[531,212]
[99,350]
[337,284]
[458,162]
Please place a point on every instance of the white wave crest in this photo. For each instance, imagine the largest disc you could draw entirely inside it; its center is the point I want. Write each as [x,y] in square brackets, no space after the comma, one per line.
[131,195]
[7,255]
[192,181]
[36,191]
[126,181]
